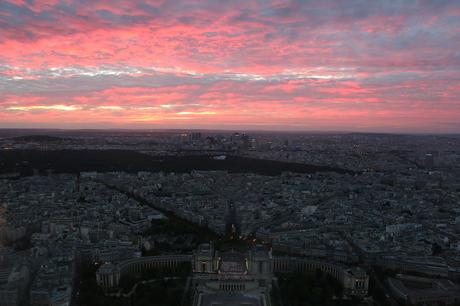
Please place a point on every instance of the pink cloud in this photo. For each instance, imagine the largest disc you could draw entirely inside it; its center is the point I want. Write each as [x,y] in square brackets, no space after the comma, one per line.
[276,63]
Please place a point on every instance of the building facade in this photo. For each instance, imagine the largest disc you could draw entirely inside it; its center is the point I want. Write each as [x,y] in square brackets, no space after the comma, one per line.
[234,277]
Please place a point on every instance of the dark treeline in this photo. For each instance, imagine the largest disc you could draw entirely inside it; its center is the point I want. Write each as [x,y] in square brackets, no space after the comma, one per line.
[74,161]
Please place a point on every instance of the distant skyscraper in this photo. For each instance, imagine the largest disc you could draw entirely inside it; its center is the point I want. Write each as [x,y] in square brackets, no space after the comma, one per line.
[195,136]
[429,161]
[246,141]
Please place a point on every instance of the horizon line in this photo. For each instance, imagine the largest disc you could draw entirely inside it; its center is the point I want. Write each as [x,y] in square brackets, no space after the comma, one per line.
[285,131]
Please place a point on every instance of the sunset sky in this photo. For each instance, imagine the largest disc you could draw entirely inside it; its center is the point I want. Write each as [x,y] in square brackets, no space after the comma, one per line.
[367,65]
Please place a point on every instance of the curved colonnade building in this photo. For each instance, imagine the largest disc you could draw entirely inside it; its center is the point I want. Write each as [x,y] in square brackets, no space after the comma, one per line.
[232,277]
[109,275]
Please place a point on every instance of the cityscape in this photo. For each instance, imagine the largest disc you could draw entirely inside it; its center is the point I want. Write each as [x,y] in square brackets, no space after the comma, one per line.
[347,218]
[229,153]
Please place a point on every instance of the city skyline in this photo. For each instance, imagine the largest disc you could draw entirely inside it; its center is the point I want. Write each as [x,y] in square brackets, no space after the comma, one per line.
[381,66]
